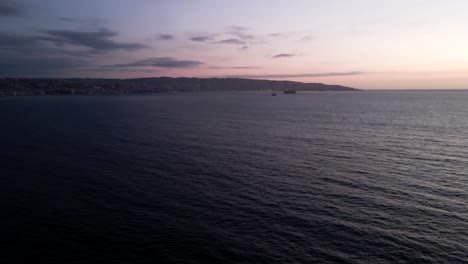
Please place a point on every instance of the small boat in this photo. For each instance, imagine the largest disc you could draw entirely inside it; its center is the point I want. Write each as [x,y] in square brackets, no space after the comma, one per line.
[273,94]
[290,91]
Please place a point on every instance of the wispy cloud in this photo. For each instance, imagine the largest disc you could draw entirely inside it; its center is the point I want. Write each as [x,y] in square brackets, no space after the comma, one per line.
[307,38]
[246,67]
[284,55]
[300,75]
[14,41]
[204,38]
[233,67]
[279,34]
[237,28]
[232,35]
[166,37]
[34,46]
[240,33]
[101,40]
[163,62]
[56,51]
[91,21]
[10,8]
[39,67]
[231,41]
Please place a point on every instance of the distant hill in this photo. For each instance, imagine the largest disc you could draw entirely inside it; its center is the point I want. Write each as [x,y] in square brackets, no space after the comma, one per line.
[43,86]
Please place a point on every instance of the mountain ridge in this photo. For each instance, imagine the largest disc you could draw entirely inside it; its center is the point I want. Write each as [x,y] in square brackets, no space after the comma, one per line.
[83,86]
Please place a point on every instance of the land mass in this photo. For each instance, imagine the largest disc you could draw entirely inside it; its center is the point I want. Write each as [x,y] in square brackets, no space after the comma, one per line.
[57,86]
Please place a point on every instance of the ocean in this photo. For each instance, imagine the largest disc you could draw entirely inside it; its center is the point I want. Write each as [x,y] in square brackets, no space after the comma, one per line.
[235,177]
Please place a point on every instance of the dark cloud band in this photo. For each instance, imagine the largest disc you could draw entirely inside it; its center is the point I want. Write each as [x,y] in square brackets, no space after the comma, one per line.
[232,41]
[166,37]
[10,8]
[164,62]
[201,38]
[100,40]
[284,55]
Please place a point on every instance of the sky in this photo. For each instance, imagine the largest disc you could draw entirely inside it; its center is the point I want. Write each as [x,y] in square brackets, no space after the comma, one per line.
[367,44]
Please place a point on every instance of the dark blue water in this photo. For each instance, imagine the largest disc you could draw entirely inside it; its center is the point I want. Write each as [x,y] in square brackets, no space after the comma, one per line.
[316,177]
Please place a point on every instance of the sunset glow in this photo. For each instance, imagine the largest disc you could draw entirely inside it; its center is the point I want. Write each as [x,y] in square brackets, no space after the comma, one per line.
[364,44]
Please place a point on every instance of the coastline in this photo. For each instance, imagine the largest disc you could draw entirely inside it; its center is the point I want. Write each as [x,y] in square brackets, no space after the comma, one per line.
[74,86]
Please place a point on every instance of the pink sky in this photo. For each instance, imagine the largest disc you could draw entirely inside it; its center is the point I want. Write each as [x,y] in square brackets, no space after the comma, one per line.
[360,43]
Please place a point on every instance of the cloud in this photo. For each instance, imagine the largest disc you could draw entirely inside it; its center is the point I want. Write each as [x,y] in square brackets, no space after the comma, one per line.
[237,28]
[202,38]
[59,52]
[279,34]
[122,70]
[245,67]
[234,67]
[301,75]
[31,56]
[14,41]
[284,55]
[94,21]
[307,38]
[39,67]
[232,35]
[166,37]
[37,46]
[163,62]
[100,40]
[240,33]
[231,41]
[69,19]
[10,8]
